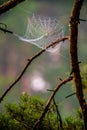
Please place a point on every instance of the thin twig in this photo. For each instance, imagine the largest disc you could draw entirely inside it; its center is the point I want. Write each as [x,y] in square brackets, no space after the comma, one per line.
[29,62]
[50,99]
[70,95]
[6,30]
[58,115]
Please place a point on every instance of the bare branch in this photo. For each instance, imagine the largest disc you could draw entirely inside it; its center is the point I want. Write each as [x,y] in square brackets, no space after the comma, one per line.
[74,21]
[29,62]
[5,29]
[8,5]
[58,115]
[50,99]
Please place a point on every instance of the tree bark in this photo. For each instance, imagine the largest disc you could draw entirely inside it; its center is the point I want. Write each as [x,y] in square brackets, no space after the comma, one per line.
[74,21]
[8,5]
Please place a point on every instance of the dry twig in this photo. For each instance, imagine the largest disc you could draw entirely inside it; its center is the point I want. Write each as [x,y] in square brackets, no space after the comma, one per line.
[29,62]
[50,99]
[59,119]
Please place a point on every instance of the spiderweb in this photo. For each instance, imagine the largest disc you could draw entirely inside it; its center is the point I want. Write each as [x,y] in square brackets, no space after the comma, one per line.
[41,31]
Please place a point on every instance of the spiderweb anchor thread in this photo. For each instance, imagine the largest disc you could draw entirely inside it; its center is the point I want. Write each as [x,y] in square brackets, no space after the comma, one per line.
[41,31]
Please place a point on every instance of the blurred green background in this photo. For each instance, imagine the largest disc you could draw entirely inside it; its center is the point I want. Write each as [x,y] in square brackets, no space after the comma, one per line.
[45,71]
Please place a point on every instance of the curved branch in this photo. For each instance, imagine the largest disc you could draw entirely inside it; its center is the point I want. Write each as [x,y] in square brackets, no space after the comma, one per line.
[50,99]
[29,62]
[8,5]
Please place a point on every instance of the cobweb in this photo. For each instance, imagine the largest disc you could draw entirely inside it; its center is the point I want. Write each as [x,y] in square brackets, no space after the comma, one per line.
[41,31]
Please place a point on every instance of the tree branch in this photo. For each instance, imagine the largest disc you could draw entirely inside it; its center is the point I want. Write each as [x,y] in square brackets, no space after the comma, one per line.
[59,120]
[50,99]
[29,62]
[8,5]
[74,57]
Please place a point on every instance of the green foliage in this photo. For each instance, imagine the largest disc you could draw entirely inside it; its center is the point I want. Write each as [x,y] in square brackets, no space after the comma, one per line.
[29,109]
[25,114]
[73,124]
